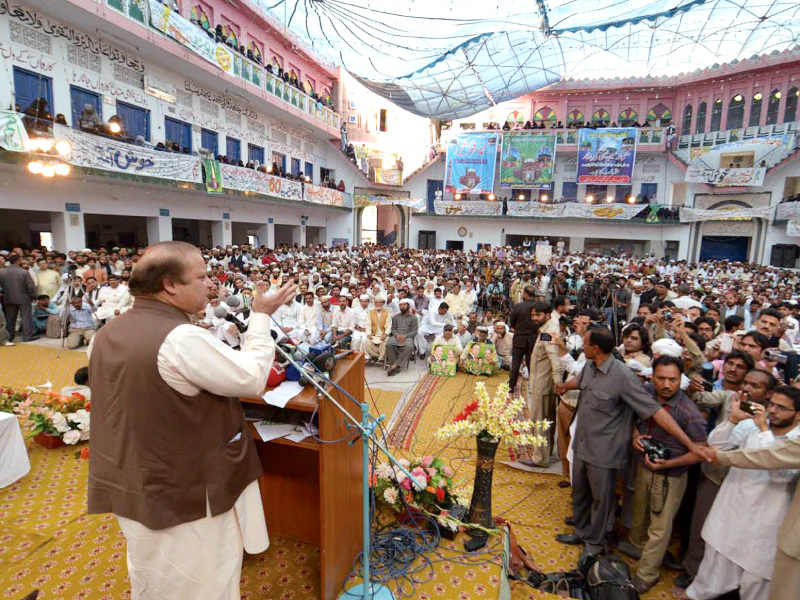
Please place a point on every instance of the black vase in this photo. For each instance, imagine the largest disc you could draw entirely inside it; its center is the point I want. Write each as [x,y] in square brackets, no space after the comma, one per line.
[480,509]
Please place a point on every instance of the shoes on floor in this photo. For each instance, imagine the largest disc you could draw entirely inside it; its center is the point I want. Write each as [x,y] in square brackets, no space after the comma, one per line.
[8,344]
[569,521]
[629,550]
[564,483]
[642,586]
[32,338]
[393,371]
[571,539]
[669,562]
[683,580]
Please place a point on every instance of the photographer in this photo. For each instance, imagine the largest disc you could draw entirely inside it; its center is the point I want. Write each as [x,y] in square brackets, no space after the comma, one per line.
[743,556]
[661,472]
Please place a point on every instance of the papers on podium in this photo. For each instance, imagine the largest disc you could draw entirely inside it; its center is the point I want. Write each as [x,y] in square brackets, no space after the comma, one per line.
[281,395]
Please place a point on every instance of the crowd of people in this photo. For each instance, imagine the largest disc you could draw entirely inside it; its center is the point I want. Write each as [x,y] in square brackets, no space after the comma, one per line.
[646,366]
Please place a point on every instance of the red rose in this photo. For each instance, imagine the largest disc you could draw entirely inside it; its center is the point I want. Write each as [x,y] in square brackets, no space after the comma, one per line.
[440,494]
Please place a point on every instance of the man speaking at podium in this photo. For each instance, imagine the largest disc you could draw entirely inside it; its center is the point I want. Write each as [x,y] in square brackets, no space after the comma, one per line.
[171,456]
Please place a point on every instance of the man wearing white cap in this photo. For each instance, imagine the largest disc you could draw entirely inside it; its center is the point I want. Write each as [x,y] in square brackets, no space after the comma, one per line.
[361,316]
[432,324]
[400,346]
[379,327]
[308,324]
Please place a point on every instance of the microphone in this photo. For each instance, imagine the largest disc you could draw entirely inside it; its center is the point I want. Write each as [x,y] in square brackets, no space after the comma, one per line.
[233,301]
[220,312]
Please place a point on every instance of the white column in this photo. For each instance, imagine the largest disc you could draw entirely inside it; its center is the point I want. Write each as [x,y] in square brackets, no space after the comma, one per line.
[299,235]
[68,231]
[576,244]
[266,235]
[221,234]
[159,229]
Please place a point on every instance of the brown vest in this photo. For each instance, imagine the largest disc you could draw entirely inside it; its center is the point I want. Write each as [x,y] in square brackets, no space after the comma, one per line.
[156,453]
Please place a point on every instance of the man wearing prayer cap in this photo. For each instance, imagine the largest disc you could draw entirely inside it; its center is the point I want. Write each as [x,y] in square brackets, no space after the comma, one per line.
[361,315]
[400,345]
[379,328]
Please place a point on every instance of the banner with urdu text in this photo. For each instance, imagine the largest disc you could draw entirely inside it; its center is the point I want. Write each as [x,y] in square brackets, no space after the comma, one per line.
[606,155]
[542,210]
[471,159]
[527,160]
[324,195]
[468,208]
[250,180]
[193,37]
[726,177]
[692,215]
[98,152]
[415,204]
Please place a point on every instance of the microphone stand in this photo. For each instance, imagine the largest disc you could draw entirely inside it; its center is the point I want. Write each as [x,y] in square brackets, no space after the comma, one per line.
[366,426]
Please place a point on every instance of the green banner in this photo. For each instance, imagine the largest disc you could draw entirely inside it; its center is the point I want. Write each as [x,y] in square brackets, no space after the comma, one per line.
[212,175]
[527,160]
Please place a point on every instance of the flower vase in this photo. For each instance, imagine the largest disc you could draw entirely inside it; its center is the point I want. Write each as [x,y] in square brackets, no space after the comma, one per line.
[48,441]
[480,509]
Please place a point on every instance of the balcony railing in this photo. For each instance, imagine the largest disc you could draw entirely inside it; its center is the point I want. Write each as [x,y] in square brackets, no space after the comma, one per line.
[240,66]
[648,136]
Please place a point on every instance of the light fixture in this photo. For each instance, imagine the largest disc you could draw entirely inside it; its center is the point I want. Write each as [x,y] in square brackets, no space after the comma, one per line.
[308,179]
[631,199]
[797,92]
[738,98]
[610,199]
[589,198]
[718,101]
[777,95]
[31,144]
[544,198]
[114,127]
[45,145]
[63,147]
[758,96]
[62,169]
[457,197]
[521,197]
[492,197]
[48,170]
[35,167]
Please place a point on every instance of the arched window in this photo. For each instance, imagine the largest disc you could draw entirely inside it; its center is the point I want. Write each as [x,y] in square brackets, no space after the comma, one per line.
[515,117]
[755,110]
[601,117]
[256,51]
[659,113]
[773,104]
[716,115]
[198,15]
[575,117]
[790,114]
[545,114]
[686,124]
[700,126]
[627,117]
[735,112]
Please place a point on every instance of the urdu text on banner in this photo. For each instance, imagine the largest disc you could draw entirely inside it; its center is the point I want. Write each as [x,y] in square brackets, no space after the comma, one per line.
[471,159]
[607,155]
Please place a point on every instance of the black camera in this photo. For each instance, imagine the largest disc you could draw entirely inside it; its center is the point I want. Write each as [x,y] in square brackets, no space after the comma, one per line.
[747,405]
[668,316]
[707,373]
[546,337]
[655,449]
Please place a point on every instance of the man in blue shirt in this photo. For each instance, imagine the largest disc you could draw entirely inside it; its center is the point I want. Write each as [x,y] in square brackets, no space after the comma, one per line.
[82,326]
[42,311]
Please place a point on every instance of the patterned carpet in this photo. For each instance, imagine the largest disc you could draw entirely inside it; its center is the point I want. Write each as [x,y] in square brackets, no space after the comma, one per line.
[47,540]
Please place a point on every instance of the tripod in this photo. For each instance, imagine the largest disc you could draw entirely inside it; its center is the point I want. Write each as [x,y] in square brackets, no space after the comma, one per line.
[69,294]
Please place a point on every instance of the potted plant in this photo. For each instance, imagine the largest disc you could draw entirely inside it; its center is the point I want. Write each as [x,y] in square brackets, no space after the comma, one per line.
[57,420]
[491,420]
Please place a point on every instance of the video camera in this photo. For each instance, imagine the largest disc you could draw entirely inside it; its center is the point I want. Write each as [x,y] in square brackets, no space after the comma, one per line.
[655,449]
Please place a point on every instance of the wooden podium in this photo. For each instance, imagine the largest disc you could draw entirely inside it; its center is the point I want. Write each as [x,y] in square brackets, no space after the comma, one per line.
[311,491]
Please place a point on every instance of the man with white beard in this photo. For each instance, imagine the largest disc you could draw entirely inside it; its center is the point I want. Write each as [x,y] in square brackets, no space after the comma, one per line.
[361,312]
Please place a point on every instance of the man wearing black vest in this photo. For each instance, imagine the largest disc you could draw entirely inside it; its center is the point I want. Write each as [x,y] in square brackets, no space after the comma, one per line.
[525,332]
[171,454]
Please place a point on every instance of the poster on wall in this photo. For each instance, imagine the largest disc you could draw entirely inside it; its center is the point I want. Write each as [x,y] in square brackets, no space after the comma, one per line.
[212,175]
[606,155]
[470,163]
[527,161]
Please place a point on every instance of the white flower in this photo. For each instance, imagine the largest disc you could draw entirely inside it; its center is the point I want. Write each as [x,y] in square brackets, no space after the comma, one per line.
[390,495]
[384,471]
[399,476]
[80,417]
[84,434]
[72,436]
[60,423]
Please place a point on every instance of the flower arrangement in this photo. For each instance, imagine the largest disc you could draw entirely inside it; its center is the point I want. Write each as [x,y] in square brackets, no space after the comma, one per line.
[63,417]
[10,399]
[395,489]
[494,419]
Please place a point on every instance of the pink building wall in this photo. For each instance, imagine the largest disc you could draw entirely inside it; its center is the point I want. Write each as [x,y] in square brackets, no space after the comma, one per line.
[250,25]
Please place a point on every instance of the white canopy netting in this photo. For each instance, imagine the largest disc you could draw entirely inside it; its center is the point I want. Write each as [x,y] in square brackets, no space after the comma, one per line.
[448,59]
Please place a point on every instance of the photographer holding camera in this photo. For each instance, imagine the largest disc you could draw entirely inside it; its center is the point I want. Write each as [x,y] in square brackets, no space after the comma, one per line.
[661,471]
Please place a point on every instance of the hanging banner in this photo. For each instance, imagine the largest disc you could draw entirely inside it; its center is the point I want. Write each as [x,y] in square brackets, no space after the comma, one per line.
[468,207]
[726,177]
[323,195]
[250,180]
[212,176]
[606,155]
[615,212]
[97,152]
[692,215]
[788,210]
[793,228]
[527,160]
[535,209]
[12,132]
[190,35]
[389,176]
[471,159]
[416,204]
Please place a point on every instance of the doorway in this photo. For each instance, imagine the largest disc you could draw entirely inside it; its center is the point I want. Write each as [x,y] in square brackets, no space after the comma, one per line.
[718,247]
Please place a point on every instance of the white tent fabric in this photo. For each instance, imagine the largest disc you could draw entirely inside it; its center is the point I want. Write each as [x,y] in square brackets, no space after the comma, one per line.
[452,58]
